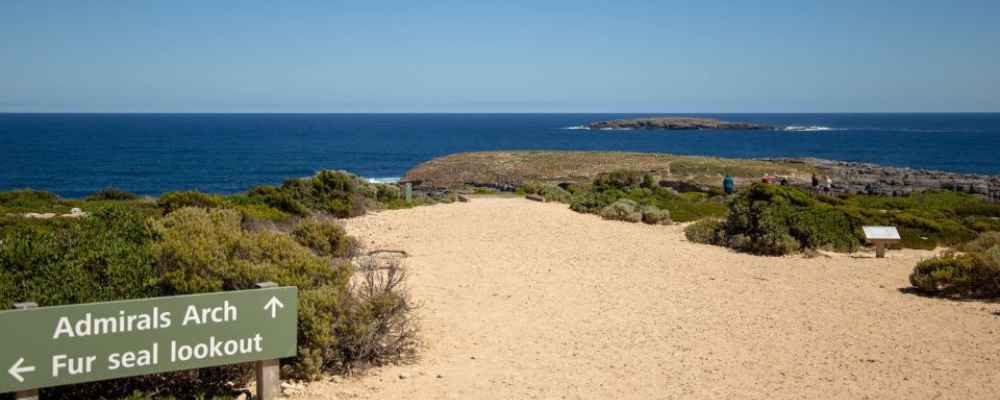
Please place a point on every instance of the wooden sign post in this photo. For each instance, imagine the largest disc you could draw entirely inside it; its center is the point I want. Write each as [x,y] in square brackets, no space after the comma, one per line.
[881,236]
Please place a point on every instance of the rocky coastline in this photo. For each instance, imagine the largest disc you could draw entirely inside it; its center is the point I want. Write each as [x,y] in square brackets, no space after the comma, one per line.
[856,177]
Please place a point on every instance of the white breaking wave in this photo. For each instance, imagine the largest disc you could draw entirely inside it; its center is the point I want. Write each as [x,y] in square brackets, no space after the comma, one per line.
[384,179]
[587,128]
[812,128]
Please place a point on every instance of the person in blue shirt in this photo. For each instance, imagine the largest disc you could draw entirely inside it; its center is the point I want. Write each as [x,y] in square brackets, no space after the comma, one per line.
[728,185]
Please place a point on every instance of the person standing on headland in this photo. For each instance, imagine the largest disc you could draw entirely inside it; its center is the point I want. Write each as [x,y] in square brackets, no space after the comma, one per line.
[728,185]
[815,182]
[829,184]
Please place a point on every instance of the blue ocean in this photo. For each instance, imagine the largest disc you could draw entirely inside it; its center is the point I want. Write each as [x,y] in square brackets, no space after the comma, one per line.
[76,154]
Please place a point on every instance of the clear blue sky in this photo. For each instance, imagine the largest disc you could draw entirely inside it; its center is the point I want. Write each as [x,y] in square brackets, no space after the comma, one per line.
[502,56]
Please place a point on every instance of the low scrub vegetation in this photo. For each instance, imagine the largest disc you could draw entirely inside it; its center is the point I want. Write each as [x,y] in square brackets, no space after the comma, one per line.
[325,237]
[112,193]
[630,196]
[777,220]
[354,312]
[706,231]
[974,273]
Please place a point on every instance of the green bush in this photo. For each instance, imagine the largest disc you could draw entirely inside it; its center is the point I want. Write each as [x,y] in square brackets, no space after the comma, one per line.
[622,210]
[172,201]
[261,212]
[706,231]
[778,220]
[529,188]
[204,243]
[325,237]
[653,215]
[28,200]
[339,329]
[100,258]
[545,191]
[387,193]
[104,257]
[111,193]
[983,243]
[556,194]
[334,192]
[643,190]
[203,250]
[972,275]
[207,250]
[621,180]
[277,199]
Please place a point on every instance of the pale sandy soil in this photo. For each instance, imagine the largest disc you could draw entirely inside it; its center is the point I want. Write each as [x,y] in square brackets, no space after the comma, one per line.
[524,300]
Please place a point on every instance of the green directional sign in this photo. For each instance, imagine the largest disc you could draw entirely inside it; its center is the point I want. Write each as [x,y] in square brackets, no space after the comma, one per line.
[53,346]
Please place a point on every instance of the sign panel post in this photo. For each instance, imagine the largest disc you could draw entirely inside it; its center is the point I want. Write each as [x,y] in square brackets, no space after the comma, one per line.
[880,236]
[62,345]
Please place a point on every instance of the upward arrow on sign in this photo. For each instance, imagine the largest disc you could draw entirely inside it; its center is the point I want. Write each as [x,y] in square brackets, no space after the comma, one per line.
[274,304]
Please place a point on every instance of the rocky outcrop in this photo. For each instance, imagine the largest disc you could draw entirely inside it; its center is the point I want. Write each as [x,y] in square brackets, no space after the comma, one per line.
[674,123]
[854,177]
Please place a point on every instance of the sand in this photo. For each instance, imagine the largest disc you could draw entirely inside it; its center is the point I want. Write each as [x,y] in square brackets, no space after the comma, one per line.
[525,300]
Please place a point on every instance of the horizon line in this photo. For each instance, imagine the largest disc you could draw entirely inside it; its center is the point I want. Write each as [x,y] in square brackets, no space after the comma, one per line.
[479,112]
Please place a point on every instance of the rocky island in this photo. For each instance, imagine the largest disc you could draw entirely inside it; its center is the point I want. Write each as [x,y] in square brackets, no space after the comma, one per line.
[674,123]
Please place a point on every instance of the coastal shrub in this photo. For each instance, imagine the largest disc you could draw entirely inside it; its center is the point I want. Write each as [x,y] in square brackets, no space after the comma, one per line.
[277,199]
[325,237]
[201,250]
[926,219]
[653,215]
[334,192]
[983,243]
[691,206]
[823,228]
[172,201]
[342,326]
[207,250]
[706,231]
[643,190]
[111,193]
[777,220]
[546,191]
[380,328]
[28,200]
[960,275]
[386,193]
[622,180]
[529,188]
[622,210]
[104,257]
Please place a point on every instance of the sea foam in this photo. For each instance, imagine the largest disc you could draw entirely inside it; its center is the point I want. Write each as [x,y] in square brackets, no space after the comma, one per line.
[811,128]
[384,179]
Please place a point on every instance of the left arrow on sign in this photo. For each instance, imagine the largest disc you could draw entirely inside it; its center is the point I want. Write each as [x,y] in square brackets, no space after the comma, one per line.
[17,369]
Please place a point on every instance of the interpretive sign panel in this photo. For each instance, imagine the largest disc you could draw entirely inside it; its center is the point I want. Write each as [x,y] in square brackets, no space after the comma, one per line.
[881,233]
[53,346]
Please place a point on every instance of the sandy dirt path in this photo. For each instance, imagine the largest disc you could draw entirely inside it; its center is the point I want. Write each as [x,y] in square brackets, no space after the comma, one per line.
[524,300]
